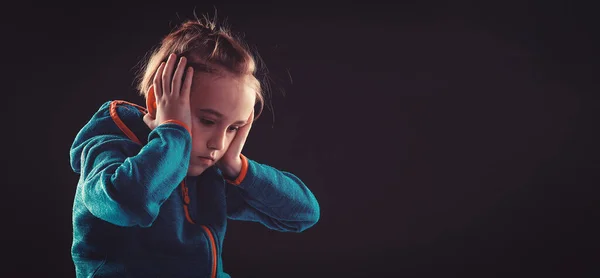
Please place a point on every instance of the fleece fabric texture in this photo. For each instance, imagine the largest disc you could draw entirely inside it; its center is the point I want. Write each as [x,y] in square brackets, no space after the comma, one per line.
[136,213]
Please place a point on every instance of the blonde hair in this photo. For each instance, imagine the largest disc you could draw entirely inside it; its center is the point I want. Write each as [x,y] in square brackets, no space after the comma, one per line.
[213,44]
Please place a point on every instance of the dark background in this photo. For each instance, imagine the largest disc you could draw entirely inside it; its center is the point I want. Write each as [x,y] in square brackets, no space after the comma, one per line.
[441,139]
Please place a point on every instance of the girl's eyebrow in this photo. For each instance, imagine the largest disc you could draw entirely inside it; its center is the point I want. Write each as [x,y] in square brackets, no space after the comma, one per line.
[219,115]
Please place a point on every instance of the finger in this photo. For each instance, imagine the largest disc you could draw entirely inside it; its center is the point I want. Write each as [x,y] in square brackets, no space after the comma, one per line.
[167,74]
[251,118]
[178,76]
[243,131]
[157,83]
[249,121]
[187,83]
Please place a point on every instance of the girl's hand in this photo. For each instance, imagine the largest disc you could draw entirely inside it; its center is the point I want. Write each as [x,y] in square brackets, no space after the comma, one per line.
[231,162]
[170,95]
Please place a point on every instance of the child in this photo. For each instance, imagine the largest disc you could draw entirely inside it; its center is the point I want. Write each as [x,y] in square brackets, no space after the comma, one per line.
[158,183]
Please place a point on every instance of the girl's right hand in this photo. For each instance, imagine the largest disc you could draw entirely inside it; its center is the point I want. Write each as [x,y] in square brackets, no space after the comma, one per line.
[172,97]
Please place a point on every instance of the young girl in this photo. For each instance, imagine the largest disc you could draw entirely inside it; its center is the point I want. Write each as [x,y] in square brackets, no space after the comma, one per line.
[158,183]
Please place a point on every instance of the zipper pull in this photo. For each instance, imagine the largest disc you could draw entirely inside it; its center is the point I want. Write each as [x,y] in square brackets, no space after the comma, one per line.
[184,189]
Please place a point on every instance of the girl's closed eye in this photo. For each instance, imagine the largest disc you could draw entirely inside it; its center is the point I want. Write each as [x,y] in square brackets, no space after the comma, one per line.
[207,122]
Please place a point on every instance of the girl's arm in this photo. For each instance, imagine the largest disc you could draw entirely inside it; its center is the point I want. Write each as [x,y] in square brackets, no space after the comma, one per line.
[124,183]
[277,199]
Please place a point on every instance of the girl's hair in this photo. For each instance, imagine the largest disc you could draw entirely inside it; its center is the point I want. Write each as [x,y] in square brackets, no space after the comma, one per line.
[213,44]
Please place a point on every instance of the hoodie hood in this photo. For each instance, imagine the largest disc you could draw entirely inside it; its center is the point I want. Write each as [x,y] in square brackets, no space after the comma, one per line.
[116,117]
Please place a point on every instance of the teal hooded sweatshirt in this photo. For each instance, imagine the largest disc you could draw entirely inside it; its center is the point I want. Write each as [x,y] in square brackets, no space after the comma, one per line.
[136,213]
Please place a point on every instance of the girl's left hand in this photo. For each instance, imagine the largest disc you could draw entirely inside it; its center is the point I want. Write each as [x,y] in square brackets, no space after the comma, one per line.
[231,162]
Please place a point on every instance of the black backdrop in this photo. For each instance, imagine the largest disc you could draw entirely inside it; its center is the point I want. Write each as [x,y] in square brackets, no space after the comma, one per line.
[441,140]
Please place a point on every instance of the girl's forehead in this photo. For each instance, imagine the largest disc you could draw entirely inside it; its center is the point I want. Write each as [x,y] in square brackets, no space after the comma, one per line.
[215,85]
[229,95]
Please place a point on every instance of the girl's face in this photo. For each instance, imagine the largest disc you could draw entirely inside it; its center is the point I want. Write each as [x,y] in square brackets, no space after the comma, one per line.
[220,104]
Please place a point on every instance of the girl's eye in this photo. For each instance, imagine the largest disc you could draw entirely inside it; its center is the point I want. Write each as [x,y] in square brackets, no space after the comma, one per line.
[206,122]
[209,123]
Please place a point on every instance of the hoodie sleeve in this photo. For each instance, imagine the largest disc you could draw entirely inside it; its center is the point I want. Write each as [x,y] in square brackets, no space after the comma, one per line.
[123,182]
[277,199]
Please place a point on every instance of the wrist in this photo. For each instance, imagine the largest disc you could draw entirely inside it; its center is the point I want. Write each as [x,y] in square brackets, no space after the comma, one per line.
[233,170]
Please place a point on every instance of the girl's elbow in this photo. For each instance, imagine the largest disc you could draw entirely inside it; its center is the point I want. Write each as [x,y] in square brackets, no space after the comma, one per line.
[308,219]
[119,214]
[313,217]
[128,218]
[314,212]
[144,215]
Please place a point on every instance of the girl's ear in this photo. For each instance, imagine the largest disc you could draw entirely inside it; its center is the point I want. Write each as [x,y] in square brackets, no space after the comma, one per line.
[151,102]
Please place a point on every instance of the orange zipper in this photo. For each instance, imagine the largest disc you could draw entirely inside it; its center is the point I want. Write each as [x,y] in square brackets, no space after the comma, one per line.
[211,237]
[214,251]
[186,202]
